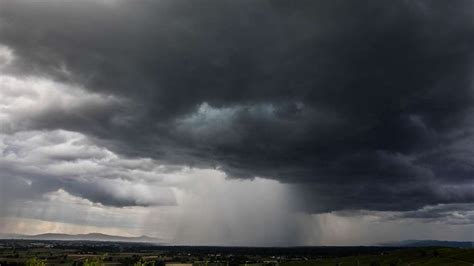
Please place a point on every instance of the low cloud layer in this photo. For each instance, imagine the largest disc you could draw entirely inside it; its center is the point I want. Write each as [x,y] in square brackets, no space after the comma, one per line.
[35,163]
[353,106]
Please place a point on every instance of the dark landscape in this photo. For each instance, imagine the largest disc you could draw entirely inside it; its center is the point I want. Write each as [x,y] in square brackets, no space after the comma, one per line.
[25,251]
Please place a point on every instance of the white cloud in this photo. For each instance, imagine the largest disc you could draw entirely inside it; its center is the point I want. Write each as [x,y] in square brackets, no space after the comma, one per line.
[6,56]
[24,99]
[71,161]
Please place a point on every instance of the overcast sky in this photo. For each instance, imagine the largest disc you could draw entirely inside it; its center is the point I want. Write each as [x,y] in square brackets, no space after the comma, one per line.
[238,122]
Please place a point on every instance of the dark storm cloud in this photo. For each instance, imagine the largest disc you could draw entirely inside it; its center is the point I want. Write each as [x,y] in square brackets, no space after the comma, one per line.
[362,104]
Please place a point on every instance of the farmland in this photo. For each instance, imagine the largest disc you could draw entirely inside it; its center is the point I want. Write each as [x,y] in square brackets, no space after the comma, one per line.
[24,252]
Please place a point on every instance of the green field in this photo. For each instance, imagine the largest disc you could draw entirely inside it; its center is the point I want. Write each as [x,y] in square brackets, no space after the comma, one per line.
[420,256]
[72,257]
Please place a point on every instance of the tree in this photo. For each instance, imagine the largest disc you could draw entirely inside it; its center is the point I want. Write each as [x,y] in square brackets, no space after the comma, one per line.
[97,261]
[35,262]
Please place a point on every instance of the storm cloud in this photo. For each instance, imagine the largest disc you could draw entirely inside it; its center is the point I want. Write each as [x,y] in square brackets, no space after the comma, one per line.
[355,105]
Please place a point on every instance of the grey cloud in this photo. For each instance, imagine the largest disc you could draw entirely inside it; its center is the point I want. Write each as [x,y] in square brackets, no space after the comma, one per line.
[36,163]
[357,104]
[35,102]
[455,214]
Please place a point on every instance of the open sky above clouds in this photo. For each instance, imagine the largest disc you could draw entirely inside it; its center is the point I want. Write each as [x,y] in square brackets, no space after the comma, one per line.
[238,122]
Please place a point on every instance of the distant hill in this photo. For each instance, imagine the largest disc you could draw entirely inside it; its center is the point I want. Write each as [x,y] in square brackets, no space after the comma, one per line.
[431,243]
[81,237]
